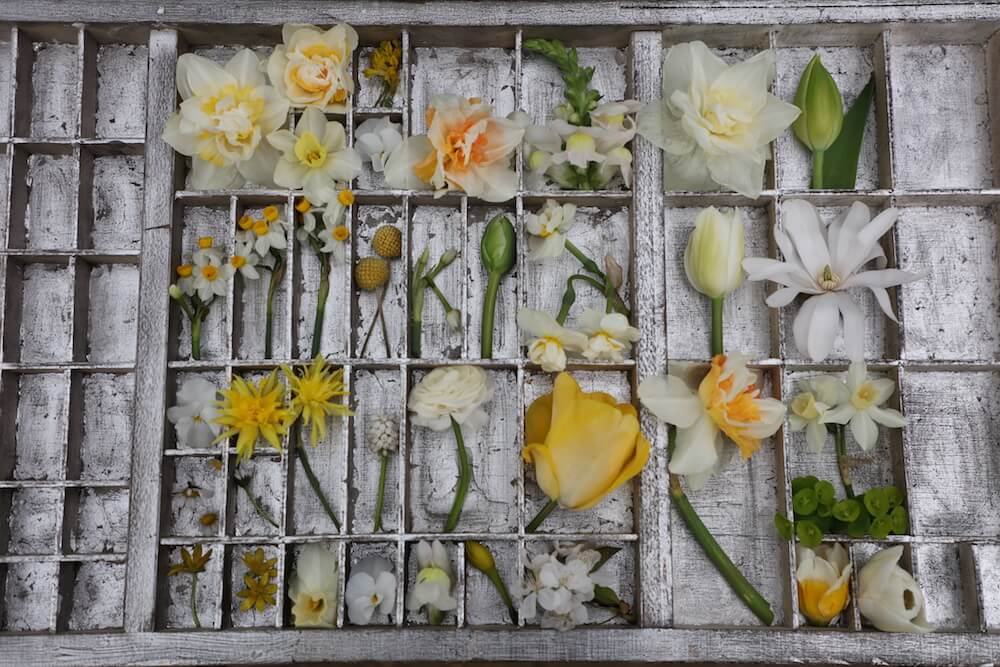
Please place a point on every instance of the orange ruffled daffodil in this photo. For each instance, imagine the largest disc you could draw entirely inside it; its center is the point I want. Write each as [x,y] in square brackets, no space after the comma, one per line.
[727,402]
[583,445]
[253,410]
[822,577]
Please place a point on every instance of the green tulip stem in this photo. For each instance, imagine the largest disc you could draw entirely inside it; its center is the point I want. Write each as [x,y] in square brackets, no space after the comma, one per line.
[541,516]
[311,476]
[817,176]
[498,583]
[489,309]
[464,477]
[277,273]
[743,588]
[717,324]
[380,498]
[843,465]
[194,600]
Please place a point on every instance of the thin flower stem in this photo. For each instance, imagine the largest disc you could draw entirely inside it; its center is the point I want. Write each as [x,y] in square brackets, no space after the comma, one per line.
[541,516]
[385,333]
[717,347]
[196,334]
[371,327]
[194,600]
[442,299]
[569,296]
[743,588]
[311,476]
[258,507]
[588,263]
[321,296]
[277,274]
[498,583]
[489,310]
[817,175]
[464,477]
[843,465]
[417,305]
[380,498]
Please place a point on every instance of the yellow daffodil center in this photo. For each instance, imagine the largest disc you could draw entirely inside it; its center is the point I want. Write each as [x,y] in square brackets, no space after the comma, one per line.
[732,414]
[310,151]
[205,242]
[340,233]
[260,227]
[827,279]
[238,261]
[250,411]
[246,222]
[345,197]
[819,603]
[270,213]
[303,205]
[864,397]
[210,273]
[185,270]
[724,111]
[804,405]
[316,605]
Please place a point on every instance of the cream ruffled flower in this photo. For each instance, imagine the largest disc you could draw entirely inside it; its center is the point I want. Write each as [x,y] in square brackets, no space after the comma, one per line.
[451,392]
[224,116]
[727,402]
[194,415]
[715,121]
[312,68]
[548,341]
[611,336]
[371,588]
[433,586]
[548,229]
[466,148]
[889,597]
[810,406]
[376,139]
[313,590]
[863,409]
[314,157]
[824,261]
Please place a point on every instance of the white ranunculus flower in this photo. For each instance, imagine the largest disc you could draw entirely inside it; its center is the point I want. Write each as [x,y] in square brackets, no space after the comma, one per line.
[548,229]
[314,157]
[313,589]
[714,252]
[376,138]
[433,586]
[825,261]
[548,341]
[889,598]
[312,68]
[371,588]
[863,409]
[451,392]
[194,415]
[225,114]
[715,121]
[611,336]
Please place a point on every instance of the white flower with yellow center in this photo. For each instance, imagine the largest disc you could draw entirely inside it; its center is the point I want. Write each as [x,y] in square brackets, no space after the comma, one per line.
[433,586]
[269,231]
[548,341]
[312,68]
[224,116]
[194,415]
[808,408]
[371,588]
[244,260]
[314,157]
[313,590]
[548,229]
[206,248]
[210,276]
[863,409]
[610,334]
[822,578]
[335,240]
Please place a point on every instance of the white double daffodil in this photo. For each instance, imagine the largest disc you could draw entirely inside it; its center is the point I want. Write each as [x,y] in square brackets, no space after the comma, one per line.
[547,340]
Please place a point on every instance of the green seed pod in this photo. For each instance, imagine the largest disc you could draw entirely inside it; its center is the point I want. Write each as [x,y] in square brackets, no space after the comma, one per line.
[498,245]
[818,126]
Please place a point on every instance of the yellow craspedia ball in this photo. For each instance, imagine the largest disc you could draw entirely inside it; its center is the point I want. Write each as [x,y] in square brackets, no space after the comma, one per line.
[371,273]
[388,242]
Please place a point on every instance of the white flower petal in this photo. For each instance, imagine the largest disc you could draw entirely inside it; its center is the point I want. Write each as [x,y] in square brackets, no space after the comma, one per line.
[669,398]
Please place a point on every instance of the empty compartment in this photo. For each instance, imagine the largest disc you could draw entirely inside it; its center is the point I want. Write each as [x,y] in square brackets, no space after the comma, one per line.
[328,460]
[483,604]
[259,480]
[46,312]
[203,222]
[55,90]
[987,556]
[98,595]
[947,579]
[375,394]
[372,557]
[196,500]
[950,442]
[370,218]
[101,521]
[106,437]
[176,610]
[6,62]
[614,513]
[491,500]
[437,229]
[248,585]
[950,313]
[34,521]
[50,218]
[689,324]
[116,215]
[457,583]
[506,339]
[121,90]
[40,427]
[111,316]
[30,597]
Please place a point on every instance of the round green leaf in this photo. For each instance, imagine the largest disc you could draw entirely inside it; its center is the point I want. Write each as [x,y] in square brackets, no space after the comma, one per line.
[881,527]
[824,492]
[804,502]
[824,511]
[894,497]
[900,521]
[783,526]
[808,533]
[859,527]
[847,510]
[877,502]
[799,483]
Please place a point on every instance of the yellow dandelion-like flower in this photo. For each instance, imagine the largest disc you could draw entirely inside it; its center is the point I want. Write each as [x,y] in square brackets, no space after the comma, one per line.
[254,410]
[258,593]
[259,564]
[315,395]
[192,562]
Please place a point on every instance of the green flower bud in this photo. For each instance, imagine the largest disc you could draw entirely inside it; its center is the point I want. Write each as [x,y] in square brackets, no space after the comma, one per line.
[175,292]
[713,258]
[448,257]
[818,126]
[479,556]
[497,246]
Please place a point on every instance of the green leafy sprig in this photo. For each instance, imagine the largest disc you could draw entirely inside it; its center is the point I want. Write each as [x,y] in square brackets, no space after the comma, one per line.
[582,99]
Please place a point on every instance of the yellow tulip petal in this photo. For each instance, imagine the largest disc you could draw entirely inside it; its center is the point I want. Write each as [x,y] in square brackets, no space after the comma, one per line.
[633,468]
[545,469]
[538,419]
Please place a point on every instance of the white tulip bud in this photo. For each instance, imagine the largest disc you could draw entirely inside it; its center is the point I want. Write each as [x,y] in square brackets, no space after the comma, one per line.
[714,254]
[889,597]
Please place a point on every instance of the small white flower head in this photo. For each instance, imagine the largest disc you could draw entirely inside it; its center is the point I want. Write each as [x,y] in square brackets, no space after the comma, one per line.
[313,589]
[206,250]
[548,229]
[244,260]
[371,589]
[210,276]
[451,392]
[194,415]
[383,434]
[375,139]
[611,336]
[335,239]
[558,585]
[433,586]
[809,406]
[267,231]
[547,340]
[863,409]
[314,157]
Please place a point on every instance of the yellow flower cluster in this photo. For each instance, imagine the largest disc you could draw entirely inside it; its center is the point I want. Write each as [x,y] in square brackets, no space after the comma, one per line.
[385,63]
[259,590]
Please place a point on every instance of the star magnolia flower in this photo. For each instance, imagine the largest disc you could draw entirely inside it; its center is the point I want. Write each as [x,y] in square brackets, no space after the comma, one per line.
[888,595]
[451,392]
[611,336]
[863,410]
[809,407]
[376,139]
[466,149]
[194,415]
[548,229]
[825,261]
[313,590]
[822,579]
[313,68]
[371,588]
[314,157]
[433,586]
[548,340]
[224,116]
[210,276]
[727,402]
[715,121]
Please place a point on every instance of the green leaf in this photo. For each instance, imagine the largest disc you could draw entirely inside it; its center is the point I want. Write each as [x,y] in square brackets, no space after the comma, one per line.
[881,527]
[900,521]
[877,502]
[606,554]
[893,496]
[847,510]
[824,511]
[840,167]
[800,483]
[804,502]
[859,527]
[824,493]
[808,533]
[783,526]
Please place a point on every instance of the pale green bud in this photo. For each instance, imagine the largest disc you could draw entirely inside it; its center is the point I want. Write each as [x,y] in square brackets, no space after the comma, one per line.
[818,126]
[714,255]
[175,292]
[449,256]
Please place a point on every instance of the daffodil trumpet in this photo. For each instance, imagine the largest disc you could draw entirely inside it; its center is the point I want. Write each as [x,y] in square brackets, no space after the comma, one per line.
[464,478]
[497,250]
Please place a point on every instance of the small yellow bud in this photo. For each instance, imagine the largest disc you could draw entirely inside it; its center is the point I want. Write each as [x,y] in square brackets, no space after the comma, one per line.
[205,242]
[185,270]
[345,197]
[479,556]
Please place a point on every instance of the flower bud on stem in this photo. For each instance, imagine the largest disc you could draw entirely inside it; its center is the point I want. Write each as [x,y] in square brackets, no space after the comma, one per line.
[480,557]
[497,253]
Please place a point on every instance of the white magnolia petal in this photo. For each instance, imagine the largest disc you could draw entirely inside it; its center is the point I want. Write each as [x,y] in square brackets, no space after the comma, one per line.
[782,297]
[854,327]
[801,222]
[823,326]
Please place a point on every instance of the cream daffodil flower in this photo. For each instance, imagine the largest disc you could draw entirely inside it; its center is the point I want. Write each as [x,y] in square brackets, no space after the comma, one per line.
[863,409]
[548,341]
[727,402]
[822,577]
[548,229]
[225,113]
[314,157]
[313,589]
[611,336]
[889,597]
[808,408]
[312,68]
[716,121]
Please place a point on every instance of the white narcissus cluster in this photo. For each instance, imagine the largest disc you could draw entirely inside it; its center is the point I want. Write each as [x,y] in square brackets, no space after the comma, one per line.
[548,229]
[809,407]
[451,392]
[547,340]
[558,585]
[610,336]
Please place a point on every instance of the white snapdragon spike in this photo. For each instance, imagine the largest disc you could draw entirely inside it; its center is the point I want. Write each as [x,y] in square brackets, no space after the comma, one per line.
[548,341]
[863,409]
[616,160]
[194,415]
[548,229]
[313,589]
[383,434]
[225,113]
[314,157]
[371,588]
[580,150]
[809,407]
[451,392]
[716,121]
[376,138]
[433,586]
[210,276]
[312,68]
[610,335]
[889,597]
[824,262]
[244,260]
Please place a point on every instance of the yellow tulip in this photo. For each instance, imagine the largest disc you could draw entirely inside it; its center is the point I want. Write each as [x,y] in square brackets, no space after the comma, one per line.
[583,445]
[822,577]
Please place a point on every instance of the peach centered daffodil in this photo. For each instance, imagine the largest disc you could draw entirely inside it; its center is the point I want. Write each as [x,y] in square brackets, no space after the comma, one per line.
[312,68]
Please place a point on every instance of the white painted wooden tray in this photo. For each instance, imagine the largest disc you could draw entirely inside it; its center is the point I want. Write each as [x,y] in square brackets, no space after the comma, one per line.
[94,215]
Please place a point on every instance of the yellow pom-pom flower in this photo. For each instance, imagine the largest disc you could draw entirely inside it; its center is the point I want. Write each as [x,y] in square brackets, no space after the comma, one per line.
[254,410]
[370,273]
[316,393]
[388,242]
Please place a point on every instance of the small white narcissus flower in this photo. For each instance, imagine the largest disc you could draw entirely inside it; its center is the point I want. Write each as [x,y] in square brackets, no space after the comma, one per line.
[312,68]
[269,231]
[548,229]
[210,276]
[313,590]
[376,138]
[451,392]
[610,334]
[194,415]
[548,340]
[863,410]
[433,586]
[809,407]
[371,588]
[244,260]
[714,254]
[888,595]
[822,579]
[314,157]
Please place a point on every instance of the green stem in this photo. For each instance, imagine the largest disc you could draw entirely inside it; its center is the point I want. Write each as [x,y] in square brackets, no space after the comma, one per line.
[442,299]
[375,318]
[541,516]
[380,498]
[569,297]
[464,477]
[196,333]
[843,465]
[587,262]
[434,615]
[609,295]
[321,296]
[261,511]
[417,305]
[313,480]
[501,587]
[717,324]
[743,588]
[388,93]
[194,600]
[489,310]
[277,273]
[817,176]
